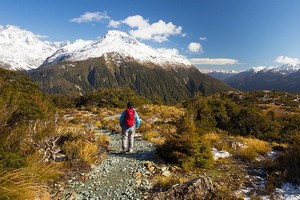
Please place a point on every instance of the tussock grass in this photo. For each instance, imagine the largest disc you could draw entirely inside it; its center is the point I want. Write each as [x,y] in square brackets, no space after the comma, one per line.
[103,141]
[164,183]
[81,150]
[254,148]
[18,185]
[150,135]
[211,137]
[28,182]
[155,137]
[40,170]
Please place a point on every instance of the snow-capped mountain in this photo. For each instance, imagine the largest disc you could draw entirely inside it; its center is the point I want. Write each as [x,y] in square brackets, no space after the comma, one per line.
[284,69]
[122,46]
[282,78]
[222,74]
[23,50]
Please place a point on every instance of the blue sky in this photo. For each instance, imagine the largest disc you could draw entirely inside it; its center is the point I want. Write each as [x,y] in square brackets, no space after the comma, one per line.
[214,34]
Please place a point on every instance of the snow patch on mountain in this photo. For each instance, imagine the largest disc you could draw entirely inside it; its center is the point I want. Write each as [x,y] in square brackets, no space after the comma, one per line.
[284,69]
[226,71]
[23,50]
[122,46]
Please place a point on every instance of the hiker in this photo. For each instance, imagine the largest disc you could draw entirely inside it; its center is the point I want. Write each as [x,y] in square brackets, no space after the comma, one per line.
[129,121]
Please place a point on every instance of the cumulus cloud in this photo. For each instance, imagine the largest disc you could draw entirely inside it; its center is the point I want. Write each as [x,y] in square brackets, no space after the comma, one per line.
[158,31]
[114,24]
[213,61]
[195,47]
[287,60]
[203,38]
[90,17]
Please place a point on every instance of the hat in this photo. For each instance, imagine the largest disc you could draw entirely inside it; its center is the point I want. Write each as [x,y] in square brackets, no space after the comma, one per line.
[129,105]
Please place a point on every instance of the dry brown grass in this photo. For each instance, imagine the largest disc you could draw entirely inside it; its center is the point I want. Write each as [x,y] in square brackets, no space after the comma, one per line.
[254,148]
[82,150]
[29,182]
[103,141]
[164,183]
[155,137]
[18,185]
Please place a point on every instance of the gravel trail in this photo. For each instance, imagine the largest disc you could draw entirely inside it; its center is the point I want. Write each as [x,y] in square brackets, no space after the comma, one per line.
[119,176]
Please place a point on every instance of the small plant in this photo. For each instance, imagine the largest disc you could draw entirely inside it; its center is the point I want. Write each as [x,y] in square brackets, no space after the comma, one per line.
[164,183]
[103,141]
[150,135]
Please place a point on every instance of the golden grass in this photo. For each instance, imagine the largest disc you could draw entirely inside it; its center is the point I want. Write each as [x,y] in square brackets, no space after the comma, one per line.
[98,124]
[83,150]
[164,183]
[89,153]
[155,137]
[41,170]
[18,185]
[103,141]
[211,137]
[254,148]
[158,140]
[150,135]
[28,182]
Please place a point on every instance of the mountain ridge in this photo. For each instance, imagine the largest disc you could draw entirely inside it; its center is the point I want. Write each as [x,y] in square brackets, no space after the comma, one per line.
[282,78]
[171,84]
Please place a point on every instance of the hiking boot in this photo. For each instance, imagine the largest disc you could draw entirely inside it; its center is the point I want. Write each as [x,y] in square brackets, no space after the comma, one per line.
[130,151]
[123,152]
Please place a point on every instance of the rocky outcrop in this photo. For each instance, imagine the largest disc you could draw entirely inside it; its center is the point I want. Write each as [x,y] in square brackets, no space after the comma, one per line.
[199,188]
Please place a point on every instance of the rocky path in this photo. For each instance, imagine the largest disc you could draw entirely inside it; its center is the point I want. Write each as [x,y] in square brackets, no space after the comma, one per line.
[119,176]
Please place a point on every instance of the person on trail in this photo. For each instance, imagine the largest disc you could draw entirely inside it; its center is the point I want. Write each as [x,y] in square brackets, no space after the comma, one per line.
[129,122]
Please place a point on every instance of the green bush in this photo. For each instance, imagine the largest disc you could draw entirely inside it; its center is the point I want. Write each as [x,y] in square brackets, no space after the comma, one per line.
[186,147]
[111,98]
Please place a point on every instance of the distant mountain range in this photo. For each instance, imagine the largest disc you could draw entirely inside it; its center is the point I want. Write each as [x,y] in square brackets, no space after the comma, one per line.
[114,60]
[222,74]
[282,78]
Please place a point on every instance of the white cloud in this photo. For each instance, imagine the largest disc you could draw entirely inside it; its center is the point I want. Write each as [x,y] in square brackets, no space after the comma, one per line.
[114,24]
[203,38]
[166,51]
[213,61]
[158,31]
[287,60]
[195,47]
[91,17]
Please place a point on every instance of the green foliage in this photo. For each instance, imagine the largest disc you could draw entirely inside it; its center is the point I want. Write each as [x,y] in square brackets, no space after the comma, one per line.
[111,98]
[65,101]
[186,147]
[290,126]
[288,163]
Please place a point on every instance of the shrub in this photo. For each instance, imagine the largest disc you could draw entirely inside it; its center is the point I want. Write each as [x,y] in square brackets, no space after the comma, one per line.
[288,163]
[186,147]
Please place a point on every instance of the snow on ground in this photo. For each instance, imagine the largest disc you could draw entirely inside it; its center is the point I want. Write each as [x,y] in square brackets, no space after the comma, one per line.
[219,154]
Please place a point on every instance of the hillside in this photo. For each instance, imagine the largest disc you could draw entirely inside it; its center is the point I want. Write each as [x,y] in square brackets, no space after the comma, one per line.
[172,84]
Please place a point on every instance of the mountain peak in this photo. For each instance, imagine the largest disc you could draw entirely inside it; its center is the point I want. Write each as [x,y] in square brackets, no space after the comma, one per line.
[22,50]
[121,44]
[116,33]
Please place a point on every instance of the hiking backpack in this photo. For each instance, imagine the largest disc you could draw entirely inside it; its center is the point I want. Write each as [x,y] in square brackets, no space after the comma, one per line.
[129,117]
